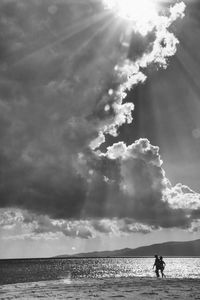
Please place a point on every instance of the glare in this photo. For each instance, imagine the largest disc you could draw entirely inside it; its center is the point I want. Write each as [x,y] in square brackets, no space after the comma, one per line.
[142,13]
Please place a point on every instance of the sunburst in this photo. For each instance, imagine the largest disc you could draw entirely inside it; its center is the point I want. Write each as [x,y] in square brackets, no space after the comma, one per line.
[143,14]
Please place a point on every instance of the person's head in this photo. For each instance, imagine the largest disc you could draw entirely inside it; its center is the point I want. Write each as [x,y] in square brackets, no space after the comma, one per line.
[156,256]
[161,257]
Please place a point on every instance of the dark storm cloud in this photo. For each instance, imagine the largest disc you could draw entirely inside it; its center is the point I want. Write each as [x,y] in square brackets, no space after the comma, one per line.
[54,101]
[46,100]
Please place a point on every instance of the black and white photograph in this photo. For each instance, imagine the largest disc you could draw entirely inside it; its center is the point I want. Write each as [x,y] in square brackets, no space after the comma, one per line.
[99,149]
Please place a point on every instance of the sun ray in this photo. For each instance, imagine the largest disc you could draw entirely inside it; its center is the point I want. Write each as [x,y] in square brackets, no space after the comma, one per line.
[185,67]
[67,34]
[92,36]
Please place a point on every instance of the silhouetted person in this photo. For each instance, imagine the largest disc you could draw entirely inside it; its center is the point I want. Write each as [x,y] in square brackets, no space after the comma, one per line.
[157,265]
[162,266]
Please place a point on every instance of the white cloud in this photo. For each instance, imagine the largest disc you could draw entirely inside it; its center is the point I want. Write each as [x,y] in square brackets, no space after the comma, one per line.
[181,196]
[128,72]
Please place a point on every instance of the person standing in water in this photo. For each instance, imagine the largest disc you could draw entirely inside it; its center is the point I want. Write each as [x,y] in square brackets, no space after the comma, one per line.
[157,265]
[162,266]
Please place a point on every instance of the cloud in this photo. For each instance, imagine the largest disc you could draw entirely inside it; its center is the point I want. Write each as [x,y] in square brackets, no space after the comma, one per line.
[147,194]
[47,99]
[21,224]
[64,76]
[181,196]
[126,192]
[9,218]
[34,226]
[155,48]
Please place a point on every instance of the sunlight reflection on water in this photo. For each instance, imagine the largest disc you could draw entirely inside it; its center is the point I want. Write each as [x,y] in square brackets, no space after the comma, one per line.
[140,267]
[131,267]
[69,269]
[67,280]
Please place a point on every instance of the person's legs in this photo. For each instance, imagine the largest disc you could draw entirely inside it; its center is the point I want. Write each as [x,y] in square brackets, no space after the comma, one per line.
[162,272]
[157,272]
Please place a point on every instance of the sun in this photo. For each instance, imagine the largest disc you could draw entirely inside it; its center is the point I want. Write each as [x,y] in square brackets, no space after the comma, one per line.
[143,14]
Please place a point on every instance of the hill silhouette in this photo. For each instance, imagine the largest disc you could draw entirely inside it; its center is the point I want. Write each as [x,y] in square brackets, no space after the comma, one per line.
[189,248]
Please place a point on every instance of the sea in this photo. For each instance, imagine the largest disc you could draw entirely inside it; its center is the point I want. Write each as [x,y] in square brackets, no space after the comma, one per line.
[35,270]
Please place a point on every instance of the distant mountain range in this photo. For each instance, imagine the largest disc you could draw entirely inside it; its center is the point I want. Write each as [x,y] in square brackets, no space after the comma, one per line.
[190,248]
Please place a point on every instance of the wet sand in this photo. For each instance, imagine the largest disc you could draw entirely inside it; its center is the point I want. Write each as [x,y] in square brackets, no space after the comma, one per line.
[111,288]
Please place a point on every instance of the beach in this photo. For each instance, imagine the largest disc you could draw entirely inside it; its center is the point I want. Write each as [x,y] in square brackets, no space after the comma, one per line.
[109,288]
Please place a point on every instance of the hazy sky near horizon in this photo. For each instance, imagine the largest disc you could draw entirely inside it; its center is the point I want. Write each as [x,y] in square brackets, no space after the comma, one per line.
[83,167]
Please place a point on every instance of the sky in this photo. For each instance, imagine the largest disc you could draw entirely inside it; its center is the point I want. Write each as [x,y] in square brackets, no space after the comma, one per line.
[99,125]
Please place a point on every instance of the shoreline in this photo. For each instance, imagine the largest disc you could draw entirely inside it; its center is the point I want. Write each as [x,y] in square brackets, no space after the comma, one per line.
[107,288]
[91,257]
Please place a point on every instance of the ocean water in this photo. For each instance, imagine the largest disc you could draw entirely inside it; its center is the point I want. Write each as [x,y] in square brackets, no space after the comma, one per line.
[34,270]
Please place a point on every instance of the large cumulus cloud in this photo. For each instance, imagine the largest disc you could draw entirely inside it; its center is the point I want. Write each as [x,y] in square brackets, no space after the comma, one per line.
[64,73]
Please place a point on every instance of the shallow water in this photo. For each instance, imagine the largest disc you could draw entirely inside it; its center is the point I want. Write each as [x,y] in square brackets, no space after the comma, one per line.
[33,270]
